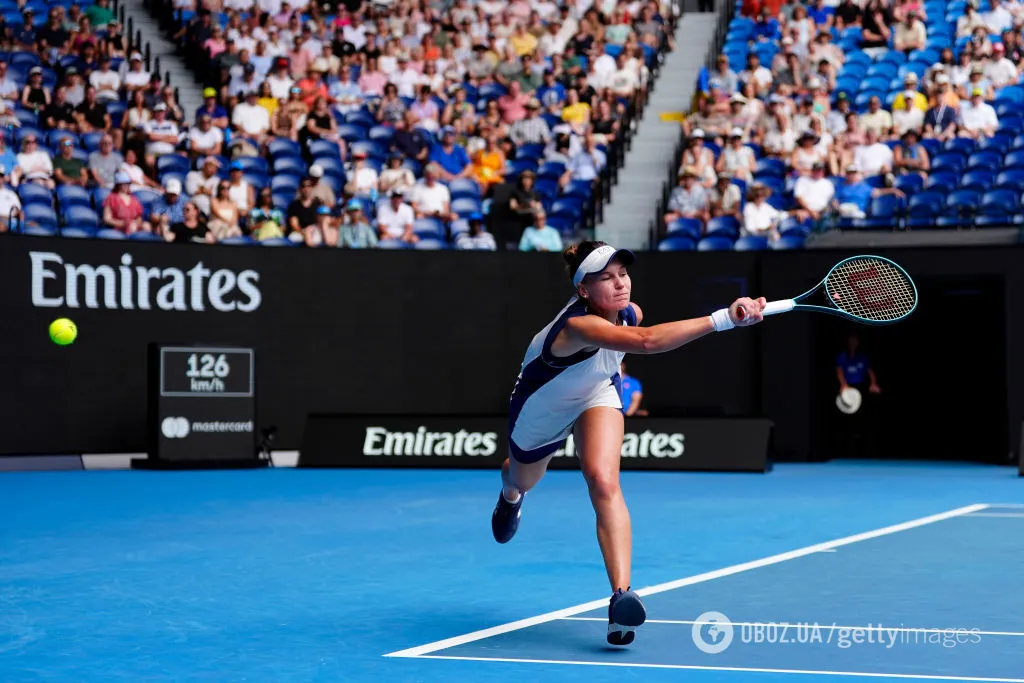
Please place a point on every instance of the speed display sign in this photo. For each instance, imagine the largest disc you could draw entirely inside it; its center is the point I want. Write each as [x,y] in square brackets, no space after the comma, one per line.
[202,404]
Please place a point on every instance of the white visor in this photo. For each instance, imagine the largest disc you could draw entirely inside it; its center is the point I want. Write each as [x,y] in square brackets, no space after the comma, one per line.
[598,260]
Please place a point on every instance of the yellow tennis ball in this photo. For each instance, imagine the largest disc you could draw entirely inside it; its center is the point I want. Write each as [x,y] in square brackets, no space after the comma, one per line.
[63,331]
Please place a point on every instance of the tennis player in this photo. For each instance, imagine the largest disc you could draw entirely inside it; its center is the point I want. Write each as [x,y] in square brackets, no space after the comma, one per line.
[569,384]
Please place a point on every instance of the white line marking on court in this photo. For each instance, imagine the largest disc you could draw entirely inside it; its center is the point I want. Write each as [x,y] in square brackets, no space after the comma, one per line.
[421,650]
[809,672]
[805,626]
[828,550]
[1014,515]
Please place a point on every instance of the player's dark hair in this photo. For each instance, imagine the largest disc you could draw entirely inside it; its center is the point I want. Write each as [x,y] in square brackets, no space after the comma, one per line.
[575,254]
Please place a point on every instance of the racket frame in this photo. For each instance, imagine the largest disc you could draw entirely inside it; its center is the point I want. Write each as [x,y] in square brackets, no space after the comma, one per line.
[786,305]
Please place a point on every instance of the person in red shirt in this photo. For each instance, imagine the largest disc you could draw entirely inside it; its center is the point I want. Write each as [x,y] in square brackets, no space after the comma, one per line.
[313,86]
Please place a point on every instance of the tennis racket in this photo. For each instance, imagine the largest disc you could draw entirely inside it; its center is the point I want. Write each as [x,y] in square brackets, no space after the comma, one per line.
[866,289]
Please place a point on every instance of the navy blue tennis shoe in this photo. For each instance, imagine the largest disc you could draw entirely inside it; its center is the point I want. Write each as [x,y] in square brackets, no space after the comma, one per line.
[625,613]
[505,518]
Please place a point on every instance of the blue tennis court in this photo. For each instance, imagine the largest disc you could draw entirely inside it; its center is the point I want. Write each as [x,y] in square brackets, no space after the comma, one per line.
[883,571]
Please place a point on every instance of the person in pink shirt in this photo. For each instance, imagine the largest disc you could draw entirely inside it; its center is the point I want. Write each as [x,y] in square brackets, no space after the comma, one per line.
[372,80]
[121,209]
[215,43]
[299,59]
[512,105]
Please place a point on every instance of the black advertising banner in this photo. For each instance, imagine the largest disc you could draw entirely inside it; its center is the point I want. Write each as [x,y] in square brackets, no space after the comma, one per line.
[680,444]
[202,403]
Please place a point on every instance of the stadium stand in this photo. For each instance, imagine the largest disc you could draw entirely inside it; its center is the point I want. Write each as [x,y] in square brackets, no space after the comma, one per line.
[396,127]
[854,117]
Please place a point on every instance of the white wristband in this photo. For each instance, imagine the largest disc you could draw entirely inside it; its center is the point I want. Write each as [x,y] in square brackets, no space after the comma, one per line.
[722,320]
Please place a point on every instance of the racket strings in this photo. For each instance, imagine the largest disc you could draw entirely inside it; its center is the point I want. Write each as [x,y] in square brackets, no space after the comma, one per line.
[871,289]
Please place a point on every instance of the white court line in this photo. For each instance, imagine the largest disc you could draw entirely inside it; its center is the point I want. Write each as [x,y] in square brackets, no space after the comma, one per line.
[1014,515]
[808,672]
[806,626]
[421,650]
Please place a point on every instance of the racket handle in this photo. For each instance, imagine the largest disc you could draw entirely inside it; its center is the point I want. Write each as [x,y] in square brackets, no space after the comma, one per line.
[772,308]
[782,306]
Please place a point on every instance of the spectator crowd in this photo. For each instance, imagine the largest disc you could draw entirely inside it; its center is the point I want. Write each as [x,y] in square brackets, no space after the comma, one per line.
[349,124]
[856,114]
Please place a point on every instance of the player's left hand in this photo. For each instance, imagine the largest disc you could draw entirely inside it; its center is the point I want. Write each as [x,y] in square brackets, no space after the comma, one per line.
[746,311]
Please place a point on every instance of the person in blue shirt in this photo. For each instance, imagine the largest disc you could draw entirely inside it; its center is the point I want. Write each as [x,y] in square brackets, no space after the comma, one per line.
[631,392]
[540,236]
[856,432]
[450,157]
[854,195]
[853,368]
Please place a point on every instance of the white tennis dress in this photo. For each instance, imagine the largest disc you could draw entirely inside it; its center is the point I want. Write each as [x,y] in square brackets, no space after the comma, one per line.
[551,393]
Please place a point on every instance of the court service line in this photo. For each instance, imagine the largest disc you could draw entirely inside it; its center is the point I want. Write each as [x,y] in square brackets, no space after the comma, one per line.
[742,669]
[804,626]
[421,650]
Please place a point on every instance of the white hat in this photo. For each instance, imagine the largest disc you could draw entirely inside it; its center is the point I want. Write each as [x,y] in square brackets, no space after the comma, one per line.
[848,400]
[173,186]
[598,260]
[316,171]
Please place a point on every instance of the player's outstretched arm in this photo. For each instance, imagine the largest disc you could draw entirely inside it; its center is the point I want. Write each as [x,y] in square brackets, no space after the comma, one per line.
[588,331]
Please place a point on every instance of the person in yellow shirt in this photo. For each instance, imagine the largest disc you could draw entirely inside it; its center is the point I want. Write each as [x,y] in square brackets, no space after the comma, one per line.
[575,113]
[917,99]
[522,42]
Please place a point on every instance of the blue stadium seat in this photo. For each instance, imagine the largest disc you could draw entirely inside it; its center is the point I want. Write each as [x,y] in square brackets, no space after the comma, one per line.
[464,187]
[39,230]
[278,242]
[977,180]
[428,228]
[146,198]
[943,181]
[723,226]
[382,134]
[465,206]
[1000,144]
[770,167]
[324,148]
[110,234]
[142,236]
[79,214]
[987,161]
[789,225]
[962,202]
[788,242]
[41,214]
[34,193]
[751,243]
[172,163]
[283,147]
[909,183]
[688,227]
[332,166]
[530,151]
[285,180]
[70,195]
[1012,179]
[677,243]
[949,161]
[999,203]
[91,141]
[239,240]
[392,244]
[715,243]
[1014,159]
[430,244]
[253,165]
[551,169]
[372,148]
[79,232]
[290,165]
[281,199]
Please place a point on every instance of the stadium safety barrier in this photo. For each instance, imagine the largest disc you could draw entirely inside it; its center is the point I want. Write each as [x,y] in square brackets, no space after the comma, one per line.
[393,334]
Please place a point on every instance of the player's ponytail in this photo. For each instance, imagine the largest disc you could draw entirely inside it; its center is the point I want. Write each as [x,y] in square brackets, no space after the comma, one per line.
[575,254]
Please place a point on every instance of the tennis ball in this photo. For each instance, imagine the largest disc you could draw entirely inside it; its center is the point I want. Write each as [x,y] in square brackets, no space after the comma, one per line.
[63,331]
